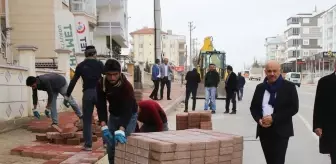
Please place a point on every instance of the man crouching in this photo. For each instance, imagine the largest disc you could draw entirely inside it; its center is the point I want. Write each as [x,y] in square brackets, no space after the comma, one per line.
[118,91]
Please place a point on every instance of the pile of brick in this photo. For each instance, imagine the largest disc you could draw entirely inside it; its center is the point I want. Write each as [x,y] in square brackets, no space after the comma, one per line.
[192,120]
[194,146]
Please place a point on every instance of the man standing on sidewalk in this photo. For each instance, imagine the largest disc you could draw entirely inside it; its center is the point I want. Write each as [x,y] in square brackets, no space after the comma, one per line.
[274,103]
[53,84]
[231,90]
[192,78]
[241,84]
[324,123]
[166,77]
[91,71]
[118,91]
[156,79]
[211,82]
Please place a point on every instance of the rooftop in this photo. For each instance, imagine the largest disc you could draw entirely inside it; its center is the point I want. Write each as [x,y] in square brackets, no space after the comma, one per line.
[145,30]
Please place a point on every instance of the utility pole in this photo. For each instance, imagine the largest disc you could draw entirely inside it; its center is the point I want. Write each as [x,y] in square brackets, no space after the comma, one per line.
[111,39]
[191,28]
[296,59]
[157,25]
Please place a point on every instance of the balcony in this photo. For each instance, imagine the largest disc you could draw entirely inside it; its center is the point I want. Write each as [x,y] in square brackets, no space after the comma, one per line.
[117,31]
[114,3]
[85,9]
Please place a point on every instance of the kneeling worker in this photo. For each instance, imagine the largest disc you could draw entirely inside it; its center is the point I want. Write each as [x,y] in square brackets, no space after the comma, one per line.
[152,116]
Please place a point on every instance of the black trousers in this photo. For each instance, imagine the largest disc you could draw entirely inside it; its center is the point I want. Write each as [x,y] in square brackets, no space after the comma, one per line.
[332,148]
[193,92]
[165,81]
[230,97]
[274,148]
[154,93]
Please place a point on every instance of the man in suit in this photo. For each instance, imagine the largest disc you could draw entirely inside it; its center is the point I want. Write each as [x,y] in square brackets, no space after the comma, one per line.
[156,79]
[231,89]
[324,123]
[166,76]
[274,103]
[193,78]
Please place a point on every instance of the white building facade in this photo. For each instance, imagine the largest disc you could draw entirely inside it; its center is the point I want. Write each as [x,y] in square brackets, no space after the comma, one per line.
[173,46]
[112,21]
[275,48]
[329,29]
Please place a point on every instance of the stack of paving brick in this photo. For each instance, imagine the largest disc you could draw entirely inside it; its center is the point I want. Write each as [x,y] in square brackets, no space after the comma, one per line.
[192,146]
[192,120]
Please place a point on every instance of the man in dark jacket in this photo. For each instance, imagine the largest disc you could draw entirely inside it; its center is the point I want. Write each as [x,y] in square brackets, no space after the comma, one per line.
[211,83]
[156,78]
[241,84]
[91,71]
[118,91]
[231,90]
[274,103]
[53,84]
[324,122]
[193,78]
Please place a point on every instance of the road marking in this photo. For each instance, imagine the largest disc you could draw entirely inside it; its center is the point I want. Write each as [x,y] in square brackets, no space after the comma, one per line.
[308,126]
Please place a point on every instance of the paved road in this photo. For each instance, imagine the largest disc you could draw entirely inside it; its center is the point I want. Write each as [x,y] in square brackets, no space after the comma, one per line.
[303,147]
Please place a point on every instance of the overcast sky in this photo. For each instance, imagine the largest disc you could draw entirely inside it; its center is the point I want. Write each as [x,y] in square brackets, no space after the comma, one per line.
[238,27]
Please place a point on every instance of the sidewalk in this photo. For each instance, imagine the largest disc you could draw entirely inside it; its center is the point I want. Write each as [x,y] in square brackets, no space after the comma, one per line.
[21,146]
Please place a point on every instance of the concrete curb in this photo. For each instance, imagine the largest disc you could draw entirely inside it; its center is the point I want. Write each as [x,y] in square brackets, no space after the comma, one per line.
[170,108]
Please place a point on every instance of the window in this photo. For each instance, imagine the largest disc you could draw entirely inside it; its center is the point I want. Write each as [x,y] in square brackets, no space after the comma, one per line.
[305,20]
[305,41]
[296,42]
[141,45]
[296,31]
[305,53]
[141,38]
[295,75]
[305,30]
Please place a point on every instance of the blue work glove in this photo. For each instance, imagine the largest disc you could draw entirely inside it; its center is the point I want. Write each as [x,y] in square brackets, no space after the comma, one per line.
[66,101]
[47,112]
[107,136]
[120,136]
[36,114]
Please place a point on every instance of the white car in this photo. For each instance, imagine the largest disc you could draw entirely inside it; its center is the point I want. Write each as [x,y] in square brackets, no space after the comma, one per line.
[294,77]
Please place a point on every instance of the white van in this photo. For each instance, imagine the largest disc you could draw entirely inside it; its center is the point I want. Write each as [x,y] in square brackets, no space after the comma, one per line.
[294,77]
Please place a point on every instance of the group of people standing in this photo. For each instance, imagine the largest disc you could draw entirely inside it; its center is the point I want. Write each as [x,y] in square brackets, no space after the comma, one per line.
[234,85]
[161,74]
[106,88]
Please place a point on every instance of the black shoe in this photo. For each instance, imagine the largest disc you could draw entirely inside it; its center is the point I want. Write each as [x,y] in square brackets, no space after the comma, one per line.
[226,112]
[193,110]
[186,110]
[233,112]
[213,112]
[168,98]
[155,98]
[151,97]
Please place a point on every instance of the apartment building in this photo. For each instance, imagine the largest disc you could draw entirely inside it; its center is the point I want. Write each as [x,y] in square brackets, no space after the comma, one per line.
[112,21]
[48,25]
[173,46]
[329,29]
[303,35]
[275,48]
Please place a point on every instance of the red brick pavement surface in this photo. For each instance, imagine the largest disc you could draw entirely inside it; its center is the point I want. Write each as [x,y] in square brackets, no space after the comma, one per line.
[69,152]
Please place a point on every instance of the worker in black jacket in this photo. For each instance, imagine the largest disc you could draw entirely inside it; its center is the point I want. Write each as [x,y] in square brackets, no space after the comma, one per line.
[118,91]
[53,84]
[193,78]
[211,82]
[91,71]
[231,87]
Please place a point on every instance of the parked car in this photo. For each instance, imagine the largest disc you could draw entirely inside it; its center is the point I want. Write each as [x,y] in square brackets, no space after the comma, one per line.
[294,77]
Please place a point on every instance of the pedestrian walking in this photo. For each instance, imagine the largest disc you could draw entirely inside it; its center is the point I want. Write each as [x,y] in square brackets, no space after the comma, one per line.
[274,103]
[231,90]
[192,78]
[211,82]
[53,84]
[91,71]
[152,117]
[241,84]
[156,79]
[324,123]
[118,91]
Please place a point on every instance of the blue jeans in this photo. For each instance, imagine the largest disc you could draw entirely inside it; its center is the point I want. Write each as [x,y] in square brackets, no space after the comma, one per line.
[210,96]
[72,102]
[113,124]
[240,93]
[89,101]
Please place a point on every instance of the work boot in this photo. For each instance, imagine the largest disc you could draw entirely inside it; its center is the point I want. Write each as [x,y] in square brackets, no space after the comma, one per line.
[233,112]
[226,112]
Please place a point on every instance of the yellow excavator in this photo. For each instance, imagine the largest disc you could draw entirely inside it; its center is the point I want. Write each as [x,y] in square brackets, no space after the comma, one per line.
[208,54]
